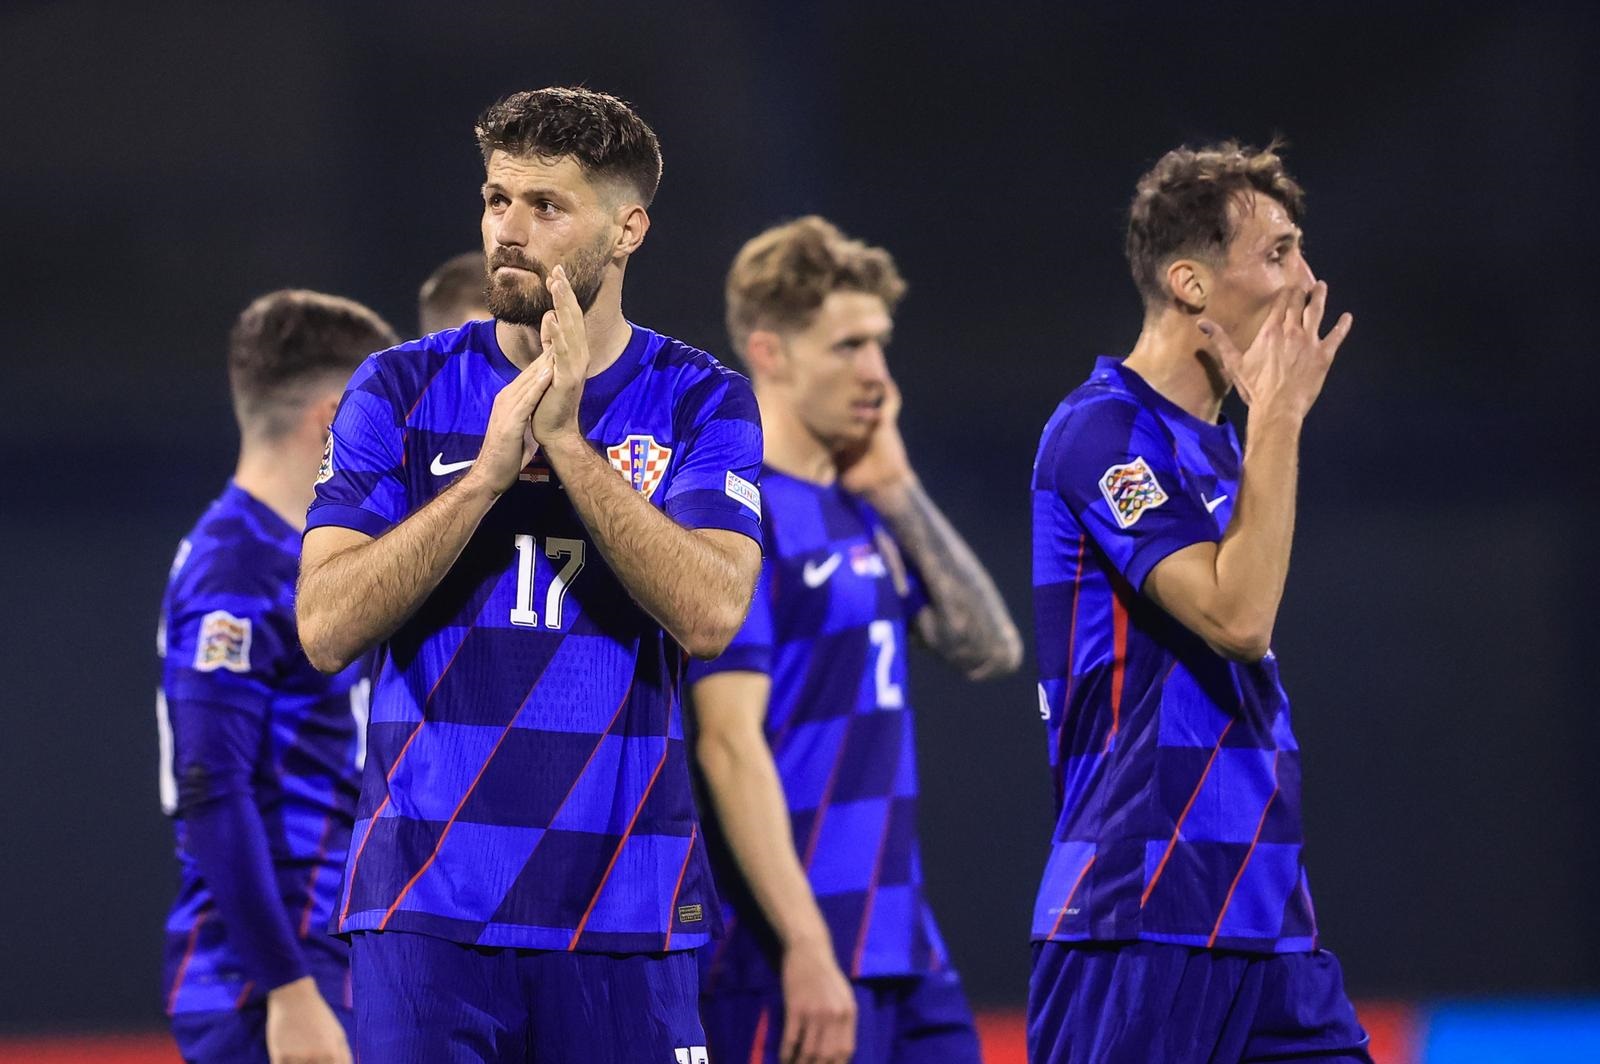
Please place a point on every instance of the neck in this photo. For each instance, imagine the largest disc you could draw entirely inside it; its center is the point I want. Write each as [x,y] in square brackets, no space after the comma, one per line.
[788,446]
[282,476]
[604,326]
[1169,357]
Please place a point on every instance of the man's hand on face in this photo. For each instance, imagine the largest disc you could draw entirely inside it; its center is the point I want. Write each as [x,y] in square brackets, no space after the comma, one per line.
[1283,370]
[880,464]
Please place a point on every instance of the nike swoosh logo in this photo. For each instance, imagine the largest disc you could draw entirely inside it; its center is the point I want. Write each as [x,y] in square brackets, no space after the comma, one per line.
[1212,504]
[816,575]
[442,468]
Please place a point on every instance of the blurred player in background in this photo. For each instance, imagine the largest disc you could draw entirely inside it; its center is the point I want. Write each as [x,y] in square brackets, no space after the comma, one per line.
[535,516]
[804,724]
[260,753]
[1174,922]
[453,294]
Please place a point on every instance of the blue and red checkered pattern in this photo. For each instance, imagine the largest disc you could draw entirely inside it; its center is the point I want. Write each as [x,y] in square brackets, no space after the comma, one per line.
[527,783]
[1176,770]
[232,666]
[829,625]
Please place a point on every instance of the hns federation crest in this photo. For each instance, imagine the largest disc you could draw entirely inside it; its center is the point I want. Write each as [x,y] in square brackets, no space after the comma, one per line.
[224,643]
[1131,489]
[641,461]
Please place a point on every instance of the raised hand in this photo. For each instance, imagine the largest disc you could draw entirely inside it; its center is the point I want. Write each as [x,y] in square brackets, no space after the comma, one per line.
[508,442]
[1284,368]
[566,344]
[881,463]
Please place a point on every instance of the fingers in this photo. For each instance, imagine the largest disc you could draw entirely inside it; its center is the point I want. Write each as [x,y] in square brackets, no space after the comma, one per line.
[1316,306]
[1336,335]
[1221,346]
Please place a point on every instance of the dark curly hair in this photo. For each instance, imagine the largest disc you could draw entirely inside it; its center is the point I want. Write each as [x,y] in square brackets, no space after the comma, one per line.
[601,132]
[780,277]
[1180,209]
[288,341]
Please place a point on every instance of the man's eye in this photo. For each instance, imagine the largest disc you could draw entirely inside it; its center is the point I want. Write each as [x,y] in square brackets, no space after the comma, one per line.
[545,207]
[497,200]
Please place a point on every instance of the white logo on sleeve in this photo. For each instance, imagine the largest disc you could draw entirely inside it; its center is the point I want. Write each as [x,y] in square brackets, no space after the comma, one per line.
[224,643]
[441,468]
[1212,504]
[1130,489]
[741,490]
[816,575]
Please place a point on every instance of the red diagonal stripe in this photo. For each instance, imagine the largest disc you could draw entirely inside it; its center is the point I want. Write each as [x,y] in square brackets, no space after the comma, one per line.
[1172,843]
[1260,825]
[1067,904]
[578,933]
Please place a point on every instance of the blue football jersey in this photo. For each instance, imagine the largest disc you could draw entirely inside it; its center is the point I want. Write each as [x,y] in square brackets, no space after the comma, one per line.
[830,626]
[1176,770]
[526,783]
[232,667]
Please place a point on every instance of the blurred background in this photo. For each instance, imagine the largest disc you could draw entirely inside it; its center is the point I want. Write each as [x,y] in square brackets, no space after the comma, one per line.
[161,164]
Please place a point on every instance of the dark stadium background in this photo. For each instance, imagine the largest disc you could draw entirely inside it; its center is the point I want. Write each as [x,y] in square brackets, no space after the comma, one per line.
[162,164]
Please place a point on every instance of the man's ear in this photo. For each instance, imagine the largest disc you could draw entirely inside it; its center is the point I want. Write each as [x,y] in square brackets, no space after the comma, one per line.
[320,411]
[765,352]
[1189,283]
[632,222]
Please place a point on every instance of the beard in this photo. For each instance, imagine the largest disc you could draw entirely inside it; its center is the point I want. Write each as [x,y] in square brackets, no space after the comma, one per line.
[510,300]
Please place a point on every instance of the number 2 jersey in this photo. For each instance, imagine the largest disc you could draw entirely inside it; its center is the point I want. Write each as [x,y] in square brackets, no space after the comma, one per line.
[526,782]
[829,625]
[1176,770]
[260,767]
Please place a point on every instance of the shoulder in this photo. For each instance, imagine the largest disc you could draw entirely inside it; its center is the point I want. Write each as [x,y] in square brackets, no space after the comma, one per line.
[400,374]
[231,557]
[700,381]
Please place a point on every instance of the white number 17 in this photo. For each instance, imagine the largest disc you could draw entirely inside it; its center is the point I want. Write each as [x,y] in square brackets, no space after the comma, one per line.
[554,547]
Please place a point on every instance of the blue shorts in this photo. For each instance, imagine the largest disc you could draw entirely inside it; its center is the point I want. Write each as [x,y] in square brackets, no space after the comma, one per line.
[425,1000]
[913,1020]
[1143,1001]
[233,1036]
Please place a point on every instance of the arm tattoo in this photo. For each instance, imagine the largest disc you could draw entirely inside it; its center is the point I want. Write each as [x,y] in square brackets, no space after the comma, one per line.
[966,623]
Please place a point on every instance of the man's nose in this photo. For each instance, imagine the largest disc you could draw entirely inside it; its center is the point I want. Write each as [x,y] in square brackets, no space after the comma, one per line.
[1307,278]
[511,227]
[871,363]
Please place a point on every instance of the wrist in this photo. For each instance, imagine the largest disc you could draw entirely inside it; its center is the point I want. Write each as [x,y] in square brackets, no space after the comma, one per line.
[893,494]
[475,485]
[565,447]
[1278,421]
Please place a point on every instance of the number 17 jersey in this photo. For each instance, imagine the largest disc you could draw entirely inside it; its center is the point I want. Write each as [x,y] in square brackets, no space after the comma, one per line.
[526,782]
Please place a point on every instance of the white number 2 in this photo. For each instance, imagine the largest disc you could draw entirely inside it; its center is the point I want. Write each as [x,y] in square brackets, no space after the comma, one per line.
[522,612]
[890,696]
[690,1055]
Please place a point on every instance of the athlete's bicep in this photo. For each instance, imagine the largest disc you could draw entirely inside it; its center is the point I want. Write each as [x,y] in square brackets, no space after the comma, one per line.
[325,542]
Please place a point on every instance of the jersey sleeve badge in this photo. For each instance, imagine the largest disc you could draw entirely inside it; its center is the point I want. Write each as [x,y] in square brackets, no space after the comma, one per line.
[641,461]
[325,470]
[741,490]
[1130,489]
[224,643]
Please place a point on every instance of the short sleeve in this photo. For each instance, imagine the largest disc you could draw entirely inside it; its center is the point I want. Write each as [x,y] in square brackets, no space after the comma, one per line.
[227,640]
[752,647]
[1114,466]
[717,482]
[361,484]
[228,643]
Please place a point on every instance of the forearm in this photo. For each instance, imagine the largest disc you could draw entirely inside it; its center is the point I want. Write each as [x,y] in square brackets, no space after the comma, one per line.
[225,836]
[694,589]
[350,601]
[1252,563]
[968,623]
[754,817]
